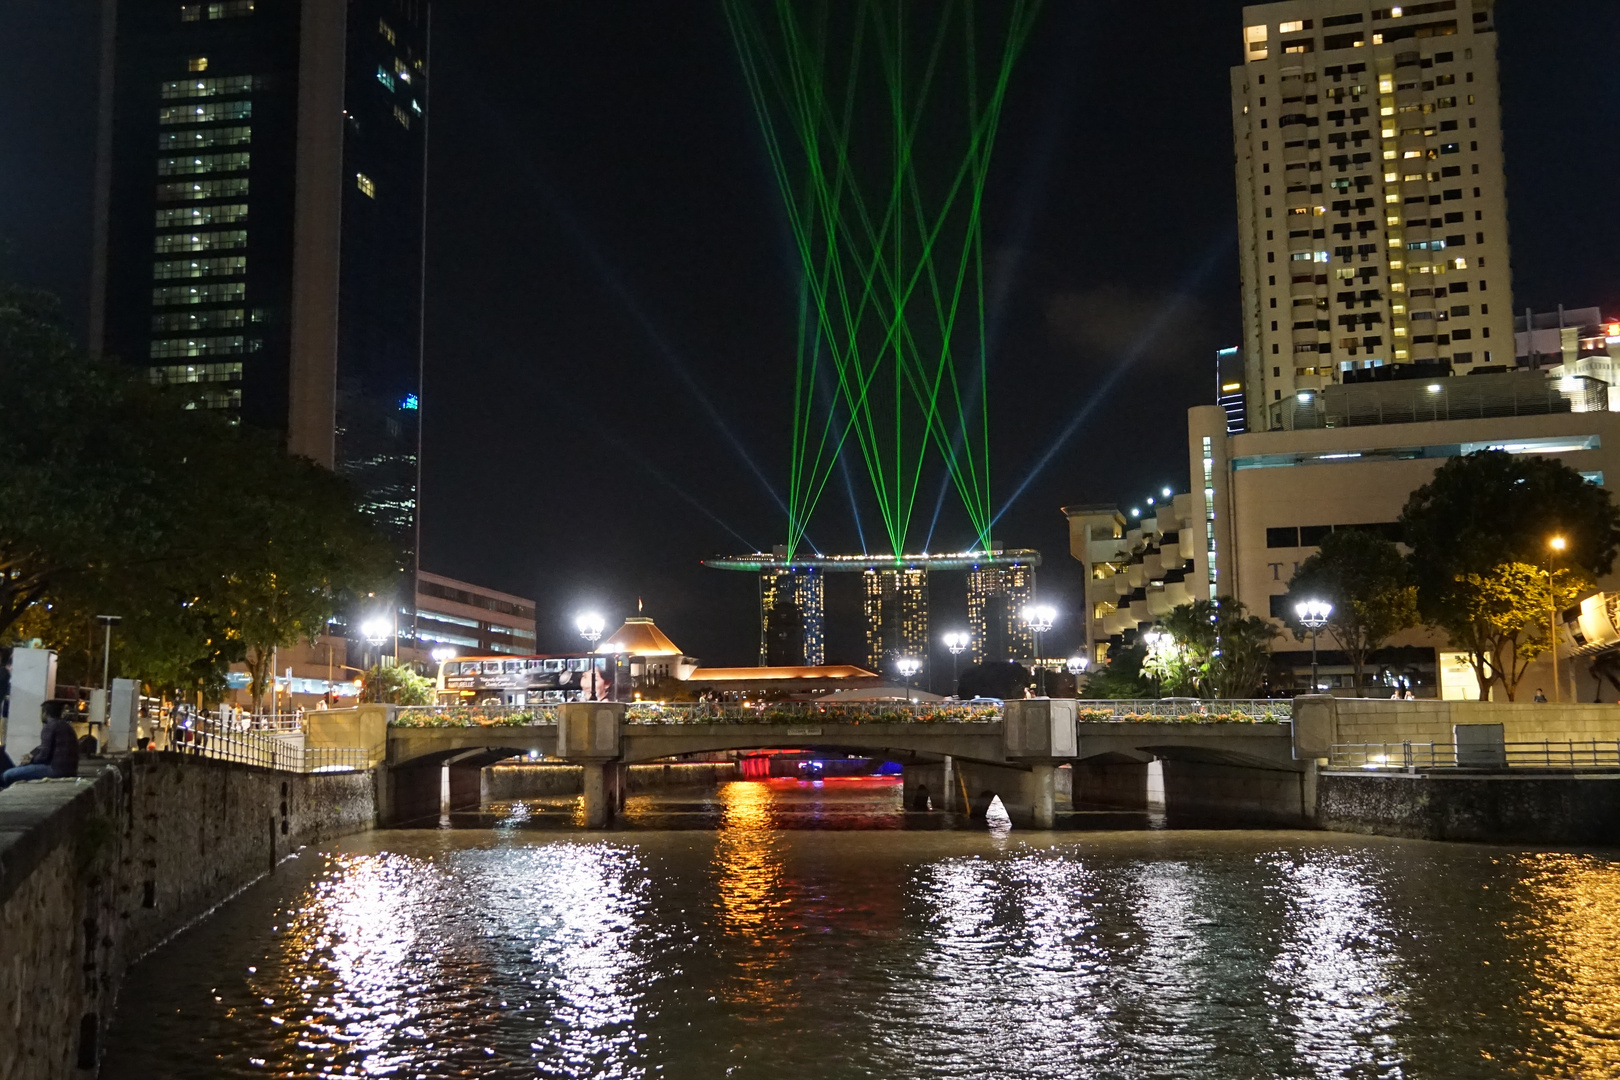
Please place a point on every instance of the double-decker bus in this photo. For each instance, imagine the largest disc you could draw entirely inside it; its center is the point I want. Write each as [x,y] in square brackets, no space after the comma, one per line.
[533,680]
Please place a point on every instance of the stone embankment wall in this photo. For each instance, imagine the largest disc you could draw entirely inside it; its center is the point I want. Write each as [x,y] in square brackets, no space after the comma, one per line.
[506,783]
[94,872]
[1498,808]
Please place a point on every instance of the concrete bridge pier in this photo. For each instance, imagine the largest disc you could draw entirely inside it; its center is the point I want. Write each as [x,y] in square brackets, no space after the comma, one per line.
[929,785]
[409,794]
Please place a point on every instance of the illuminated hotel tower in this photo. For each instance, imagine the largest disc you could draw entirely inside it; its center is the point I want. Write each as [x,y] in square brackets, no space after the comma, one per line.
[997,596]
[1371,198]
[896,617]
[792,621]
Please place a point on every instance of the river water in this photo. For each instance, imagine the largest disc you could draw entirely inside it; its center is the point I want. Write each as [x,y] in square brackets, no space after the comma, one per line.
[758,948]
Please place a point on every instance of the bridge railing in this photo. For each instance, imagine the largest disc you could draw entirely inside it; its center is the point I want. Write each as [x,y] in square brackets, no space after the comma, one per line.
[1160,710]
[649,713]
[267,751]
[474,716]
[1411,756]
[803,712]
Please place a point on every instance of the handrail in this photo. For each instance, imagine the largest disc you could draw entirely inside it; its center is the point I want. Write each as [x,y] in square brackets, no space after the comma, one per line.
[268,751]
[1410,756]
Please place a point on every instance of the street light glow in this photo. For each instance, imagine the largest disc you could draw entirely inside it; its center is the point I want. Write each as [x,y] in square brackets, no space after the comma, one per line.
[1077,664]
[376,630]
[590,626]
[1040,617]
[956,641]
[443,653]
[1313,614]
[1556,543]
[908,666]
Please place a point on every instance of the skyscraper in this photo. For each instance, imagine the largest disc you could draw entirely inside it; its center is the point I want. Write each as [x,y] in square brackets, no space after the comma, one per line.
[792,621]
[1371,199]
[259,223]
[997,596]
[896,616]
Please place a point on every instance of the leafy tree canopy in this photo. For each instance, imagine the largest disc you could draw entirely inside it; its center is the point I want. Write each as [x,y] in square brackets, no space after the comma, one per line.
[1005,680]
[1367,581]
[122,498]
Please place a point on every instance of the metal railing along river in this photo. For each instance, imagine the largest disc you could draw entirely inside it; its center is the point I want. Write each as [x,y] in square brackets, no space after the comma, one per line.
[268,751]
[1413,756]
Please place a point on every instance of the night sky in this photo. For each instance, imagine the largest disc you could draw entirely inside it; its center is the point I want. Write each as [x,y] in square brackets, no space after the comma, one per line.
[611,291]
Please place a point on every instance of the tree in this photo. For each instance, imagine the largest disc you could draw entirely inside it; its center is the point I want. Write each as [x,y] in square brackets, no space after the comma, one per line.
[1121,677]
[1368,583]
[311,556]
[1224,650]
[117,497]
[1508,611]
[1482,512]
[396,684]
[1005,680]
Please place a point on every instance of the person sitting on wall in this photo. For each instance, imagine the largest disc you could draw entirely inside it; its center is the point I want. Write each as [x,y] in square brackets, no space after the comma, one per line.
[1541,697]
[57,754]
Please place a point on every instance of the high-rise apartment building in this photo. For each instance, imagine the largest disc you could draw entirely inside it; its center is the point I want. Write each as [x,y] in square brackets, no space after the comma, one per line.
[997,596]
[896,616]
[1371,200]
[260,221]
[792,618]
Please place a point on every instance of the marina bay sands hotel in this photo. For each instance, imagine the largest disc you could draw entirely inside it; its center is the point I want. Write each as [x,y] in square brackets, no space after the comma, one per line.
[792,604]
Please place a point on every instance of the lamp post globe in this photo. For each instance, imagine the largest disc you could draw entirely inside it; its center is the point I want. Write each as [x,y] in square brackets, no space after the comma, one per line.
[590,626]
[908,667]
[956,641]
[1313,615]
[1039,618]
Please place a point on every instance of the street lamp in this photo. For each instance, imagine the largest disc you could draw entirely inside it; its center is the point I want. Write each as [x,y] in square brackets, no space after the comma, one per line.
[375,631]
[1313,615]
[1557,544]
[1039,618]
[590,626]
[956,641]
[908,666]
[107,622]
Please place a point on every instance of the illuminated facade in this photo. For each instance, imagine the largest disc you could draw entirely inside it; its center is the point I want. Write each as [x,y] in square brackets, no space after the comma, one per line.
[1372,202]
[895,600]
[997,596]
[896,616]
[792,623]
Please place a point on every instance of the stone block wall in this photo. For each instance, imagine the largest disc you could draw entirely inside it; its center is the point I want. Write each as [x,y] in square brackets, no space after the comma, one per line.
[94,872]
[1361,721]
[1495,808]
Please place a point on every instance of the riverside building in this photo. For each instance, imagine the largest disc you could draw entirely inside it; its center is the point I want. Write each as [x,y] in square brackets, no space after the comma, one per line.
[1378,328]
[1372,211]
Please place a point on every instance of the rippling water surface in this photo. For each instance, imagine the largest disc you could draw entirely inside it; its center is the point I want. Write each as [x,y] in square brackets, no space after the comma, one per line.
[751,950]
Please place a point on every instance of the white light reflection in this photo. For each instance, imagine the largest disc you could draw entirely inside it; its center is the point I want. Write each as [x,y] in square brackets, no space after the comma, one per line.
[1009,975]
[1336,974]
[581,908]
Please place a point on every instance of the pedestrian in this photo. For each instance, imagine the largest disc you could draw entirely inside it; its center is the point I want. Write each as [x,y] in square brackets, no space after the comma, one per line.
[1409,695]
[57,754]
[1541,697]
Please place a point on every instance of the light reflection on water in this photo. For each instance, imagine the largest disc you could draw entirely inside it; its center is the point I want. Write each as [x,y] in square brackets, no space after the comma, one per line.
[750,951]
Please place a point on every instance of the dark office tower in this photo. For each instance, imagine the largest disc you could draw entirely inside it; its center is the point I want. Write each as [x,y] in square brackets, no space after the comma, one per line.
[792,621]
[260,221]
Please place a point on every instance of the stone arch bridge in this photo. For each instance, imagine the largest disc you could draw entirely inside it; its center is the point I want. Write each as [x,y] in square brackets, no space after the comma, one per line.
[1242,770]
